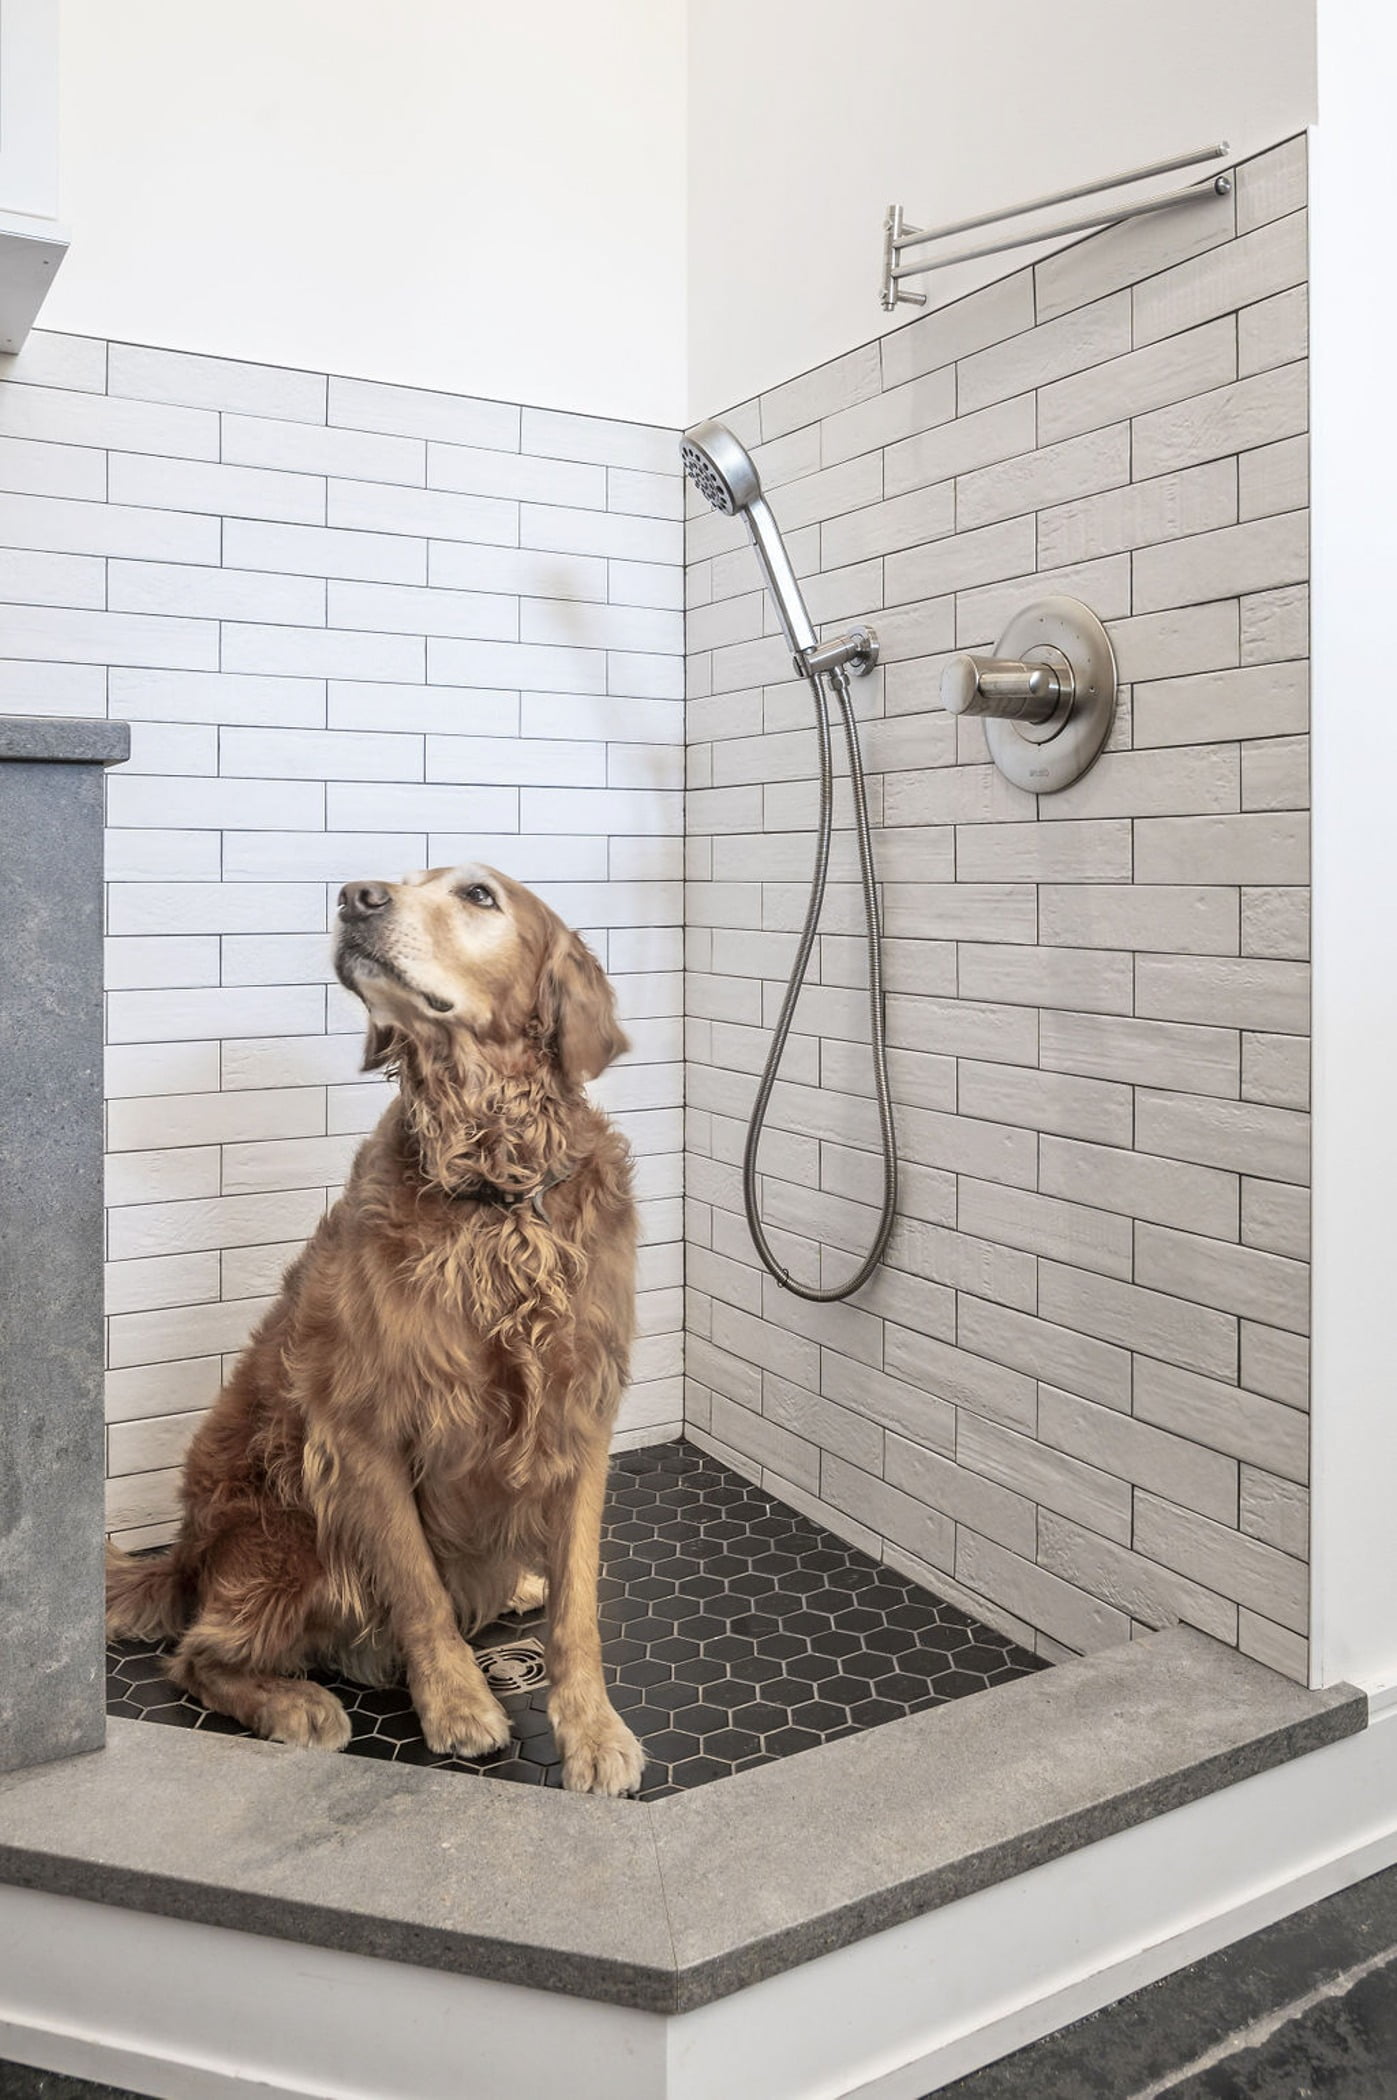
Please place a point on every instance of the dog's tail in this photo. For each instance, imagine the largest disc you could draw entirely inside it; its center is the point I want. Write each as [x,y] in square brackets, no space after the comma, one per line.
[145,1599]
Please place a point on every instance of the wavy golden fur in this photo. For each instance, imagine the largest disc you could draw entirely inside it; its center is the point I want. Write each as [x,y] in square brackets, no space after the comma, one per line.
[415,1439]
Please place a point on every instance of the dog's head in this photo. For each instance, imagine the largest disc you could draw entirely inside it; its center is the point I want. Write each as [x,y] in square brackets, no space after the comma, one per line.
[467,952]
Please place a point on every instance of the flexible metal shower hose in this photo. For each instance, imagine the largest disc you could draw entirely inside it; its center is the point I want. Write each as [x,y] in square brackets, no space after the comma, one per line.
[873,925]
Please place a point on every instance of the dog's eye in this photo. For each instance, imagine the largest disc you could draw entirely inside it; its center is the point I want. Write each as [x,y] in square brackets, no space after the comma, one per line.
[478,894]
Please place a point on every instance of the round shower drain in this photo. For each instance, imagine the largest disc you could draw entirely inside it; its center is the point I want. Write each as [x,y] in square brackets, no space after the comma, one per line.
[515,1666]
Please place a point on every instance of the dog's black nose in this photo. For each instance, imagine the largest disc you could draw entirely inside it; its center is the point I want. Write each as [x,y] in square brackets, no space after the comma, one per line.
[359,900]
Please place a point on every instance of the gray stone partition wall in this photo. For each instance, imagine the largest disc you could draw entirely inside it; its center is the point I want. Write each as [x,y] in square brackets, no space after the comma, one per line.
[51,1433]
[1076,1396]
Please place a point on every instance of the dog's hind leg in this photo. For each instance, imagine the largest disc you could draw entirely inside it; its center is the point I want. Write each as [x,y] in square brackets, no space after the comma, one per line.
[283,1709]
[250,1635]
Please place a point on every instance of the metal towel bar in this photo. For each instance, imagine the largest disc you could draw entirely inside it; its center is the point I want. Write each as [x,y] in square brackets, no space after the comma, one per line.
[898,236]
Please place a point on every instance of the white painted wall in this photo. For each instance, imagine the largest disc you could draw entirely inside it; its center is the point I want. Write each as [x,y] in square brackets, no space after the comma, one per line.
[448,193]
[808,117]
[492,200]
[1354,461]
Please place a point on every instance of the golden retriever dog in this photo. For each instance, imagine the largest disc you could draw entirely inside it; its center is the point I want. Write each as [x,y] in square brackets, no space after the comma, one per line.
[415,1438]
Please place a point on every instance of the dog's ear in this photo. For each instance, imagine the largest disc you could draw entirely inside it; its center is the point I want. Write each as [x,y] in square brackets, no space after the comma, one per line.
[577,1010]
[379,1046]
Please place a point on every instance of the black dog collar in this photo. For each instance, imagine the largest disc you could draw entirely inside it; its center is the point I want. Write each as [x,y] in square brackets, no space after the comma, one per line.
[509,1199]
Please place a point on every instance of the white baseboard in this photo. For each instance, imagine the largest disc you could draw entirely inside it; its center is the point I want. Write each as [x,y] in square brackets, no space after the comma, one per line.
[1107,1985]
[907,2012]
[107,2063]
[187,2011]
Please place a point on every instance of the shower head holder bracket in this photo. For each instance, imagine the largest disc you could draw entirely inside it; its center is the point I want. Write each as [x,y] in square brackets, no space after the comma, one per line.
[1048,695]
[855,652]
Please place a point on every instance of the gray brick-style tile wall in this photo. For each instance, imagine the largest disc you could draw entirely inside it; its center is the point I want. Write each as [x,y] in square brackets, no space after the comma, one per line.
[1075,1396]
[356,629]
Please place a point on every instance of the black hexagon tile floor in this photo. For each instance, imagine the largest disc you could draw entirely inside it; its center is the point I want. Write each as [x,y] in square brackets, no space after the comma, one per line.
[734,1631]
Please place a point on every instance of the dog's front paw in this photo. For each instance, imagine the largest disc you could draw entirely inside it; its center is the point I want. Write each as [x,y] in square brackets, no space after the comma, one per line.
[600,1754]
[460,1715]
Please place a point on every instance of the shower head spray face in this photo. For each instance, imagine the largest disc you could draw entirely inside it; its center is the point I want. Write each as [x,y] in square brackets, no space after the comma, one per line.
[720,469]
[722,472]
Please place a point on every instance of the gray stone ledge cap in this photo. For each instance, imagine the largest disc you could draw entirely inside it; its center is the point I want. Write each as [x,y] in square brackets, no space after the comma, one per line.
[670,1905]
[53,740]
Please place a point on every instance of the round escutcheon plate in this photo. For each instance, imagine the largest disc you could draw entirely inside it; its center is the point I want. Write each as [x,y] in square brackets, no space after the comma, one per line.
[1042,760]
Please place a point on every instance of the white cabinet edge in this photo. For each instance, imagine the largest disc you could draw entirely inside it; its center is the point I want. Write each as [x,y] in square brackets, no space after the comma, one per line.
[29,263]
[32,244]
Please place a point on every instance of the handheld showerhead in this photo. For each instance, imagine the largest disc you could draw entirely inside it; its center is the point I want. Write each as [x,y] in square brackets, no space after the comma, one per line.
[724,475]
[722,472]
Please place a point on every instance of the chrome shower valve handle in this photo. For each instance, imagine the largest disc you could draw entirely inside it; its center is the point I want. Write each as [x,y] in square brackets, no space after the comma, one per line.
[1048,697]
[989,685]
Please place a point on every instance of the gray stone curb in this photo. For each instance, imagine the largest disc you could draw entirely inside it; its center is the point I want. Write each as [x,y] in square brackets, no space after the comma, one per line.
[666,1906]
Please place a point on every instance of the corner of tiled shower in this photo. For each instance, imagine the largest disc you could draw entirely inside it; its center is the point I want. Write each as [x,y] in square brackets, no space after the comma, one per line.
[361,627]
[1075,1401]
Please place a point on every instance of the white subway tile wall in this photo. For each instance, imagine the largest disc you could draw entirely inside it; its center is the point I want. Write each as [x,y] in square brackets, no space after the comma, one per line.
[1075,1397]
[356,629]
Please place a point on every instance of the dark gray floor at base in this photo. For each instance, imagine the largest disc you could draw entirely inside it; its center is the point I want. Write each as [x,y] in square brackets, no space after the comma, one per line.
[19,2082]
[1345,2046]
[1306,2010]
